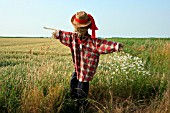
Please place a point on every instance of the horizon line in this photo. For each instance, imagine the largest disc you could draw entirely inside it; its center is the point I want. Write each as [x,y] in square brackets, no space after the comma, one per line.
[97,37]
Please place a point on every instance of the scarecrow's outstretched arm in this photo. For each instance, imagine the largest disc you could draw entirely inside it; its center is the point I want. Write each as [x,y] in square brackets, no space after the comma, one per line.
[64,37]
[105,46]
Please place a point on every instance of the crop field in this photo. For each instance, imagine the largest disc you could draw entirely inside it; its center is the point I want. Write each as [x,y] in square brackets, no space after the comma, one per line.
[35,77]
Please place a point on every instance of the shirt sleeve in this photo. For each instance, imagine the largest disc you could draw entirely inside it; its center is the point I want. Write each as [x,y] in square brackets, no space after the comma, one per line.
[64,37]
[105,46]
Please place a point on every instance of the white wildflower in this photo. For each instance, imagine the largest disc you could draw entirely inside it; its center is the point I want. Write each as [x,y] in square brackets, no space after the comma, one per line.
[117,70]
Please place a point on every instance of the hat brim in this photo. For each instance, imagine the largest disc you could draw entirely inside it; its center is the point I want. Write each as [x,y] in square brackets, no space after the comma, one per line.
[77,24]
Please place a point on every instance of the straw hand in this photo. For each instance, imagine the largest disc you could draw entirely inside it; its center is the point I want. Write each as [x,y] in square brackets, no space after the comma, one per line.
[120,48]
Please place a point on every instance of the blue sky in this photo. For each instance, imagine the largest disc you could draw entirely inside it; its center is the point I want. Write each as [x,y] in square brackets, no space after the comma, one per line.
[122,18]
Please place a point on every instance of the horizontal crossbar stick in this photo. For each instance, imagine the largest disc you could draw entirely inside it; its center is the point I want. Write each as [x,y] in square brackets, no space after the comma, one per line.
[49,28]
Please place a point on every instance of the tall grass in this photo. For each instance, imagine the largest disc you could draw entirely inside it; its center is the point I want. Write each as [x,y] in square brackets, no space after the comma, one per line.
[35,75]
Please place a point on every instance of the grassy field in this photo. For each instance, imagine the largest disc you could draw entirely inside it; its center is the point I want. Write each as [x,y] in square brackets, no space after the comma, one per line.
[35,75]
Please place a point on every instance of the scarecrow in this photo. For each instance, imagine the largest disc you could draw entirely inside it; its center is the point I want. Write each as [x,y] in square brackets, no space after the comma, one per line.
[86,50]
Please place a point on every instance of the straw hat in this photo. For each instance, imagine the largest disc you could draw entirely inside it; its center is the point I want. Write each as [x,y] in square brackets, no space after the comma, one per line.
[80,19]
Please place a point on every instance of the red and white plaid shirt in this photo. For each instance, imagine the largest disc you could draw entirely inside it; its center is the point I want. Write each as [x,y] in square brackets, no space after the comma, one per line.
[85,53]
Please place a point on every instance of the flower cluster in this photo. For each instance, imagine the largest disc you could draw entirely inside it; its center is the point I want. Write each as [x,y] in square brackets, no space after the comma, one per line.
[123,64]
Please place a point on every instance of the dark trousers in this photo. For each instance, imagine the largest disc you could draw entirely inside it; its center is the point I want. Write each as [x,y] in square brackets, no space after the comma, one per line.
[79,90]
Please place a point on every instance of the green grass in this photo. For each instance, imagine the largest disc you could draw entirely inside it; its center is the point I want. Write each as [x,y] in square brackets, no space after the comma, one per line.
[35,75]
